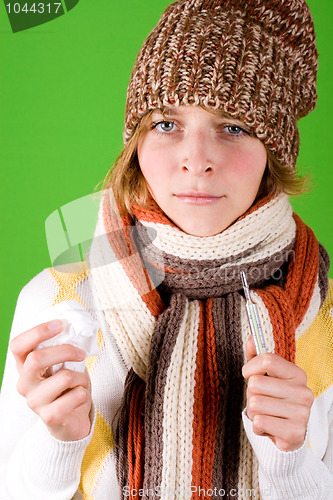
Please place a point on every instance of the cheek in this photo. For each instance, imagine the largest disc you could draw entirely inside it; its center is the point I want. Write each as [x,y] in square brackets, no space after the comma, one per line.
[154,167]
[248,166]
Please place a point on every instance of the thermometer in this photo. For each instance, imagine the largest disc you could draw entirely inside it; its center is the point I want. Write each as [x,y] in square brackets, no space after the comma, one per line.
[254,320]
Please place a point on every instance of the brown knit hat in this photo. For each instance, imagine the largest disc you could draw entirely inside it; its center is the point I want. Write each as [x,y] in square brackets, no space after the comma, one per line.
[256,60]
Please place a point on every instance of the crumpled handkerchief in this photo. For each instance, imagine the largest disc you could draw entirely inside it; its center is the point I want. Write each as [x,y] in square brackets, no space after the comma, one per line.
[80,330]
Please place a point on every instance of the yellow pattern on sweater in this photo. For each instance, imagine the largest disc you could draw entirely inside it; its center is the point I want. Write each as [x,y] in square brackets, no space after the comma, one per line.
[96,453]
[101,443]
[314,349]
[66,284]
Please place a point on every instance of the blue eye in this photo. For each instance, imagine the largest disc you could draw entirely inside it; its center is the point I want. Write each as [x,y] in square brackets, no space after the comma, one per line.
[164,126]
[235,130]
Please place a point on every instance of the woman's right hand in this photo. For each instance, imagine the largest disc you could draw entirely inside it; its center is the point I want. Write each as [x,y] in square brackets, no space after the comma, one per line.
[62,400]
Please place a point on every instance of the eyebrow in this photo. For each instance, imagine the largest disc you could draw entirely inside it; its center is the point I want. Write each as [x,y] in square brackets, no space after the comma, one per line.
[167,111]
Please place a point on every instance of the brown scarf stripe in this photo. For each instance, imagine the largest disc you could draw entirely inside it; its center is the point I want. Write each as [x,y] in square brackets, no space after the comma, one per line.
[324,266]
[230,359]
[121,431]
[162,345]
[220,280]
[219,315]
[228,276]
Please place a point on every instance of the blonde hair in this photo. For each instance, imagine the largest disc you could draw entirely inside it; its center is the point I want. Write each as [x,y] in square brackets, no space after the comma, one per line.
[129,186]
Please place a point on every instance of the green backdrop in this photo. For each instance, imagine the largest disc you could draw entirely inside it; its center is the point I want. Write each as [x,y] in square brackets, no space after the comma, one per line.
[63,87]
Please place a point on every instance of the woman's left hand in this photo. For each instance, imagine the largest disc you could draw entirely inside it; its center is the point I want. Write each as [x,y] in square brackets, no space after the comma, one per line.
[278,404]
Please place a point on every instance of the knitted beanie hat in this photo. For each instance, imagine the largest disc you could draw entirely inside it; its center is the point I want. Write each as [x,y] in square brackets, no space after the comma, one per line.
[255,60]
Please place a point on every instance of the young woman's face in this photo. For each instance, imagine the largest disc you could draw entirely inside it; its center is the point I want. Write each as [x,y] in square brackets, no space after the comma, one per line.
[203,170]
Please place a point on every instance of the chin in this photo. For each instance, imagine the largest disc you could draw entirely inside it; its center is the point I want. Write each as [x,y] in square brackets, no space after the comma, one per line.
[203,231]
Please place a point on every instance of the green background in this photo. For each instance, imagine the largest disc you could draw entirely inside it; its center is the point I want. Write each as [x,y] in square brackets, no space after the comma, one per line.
[62,98]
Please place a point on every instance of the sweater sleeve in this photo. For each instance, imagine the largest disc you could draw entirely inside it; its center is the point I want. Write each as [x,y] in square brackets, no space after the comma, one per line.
[294,475]
[33,464]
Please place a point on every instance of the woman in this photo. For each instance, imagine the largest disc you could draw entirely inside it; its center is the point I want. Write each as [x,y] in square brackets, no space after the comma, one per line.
[198,195]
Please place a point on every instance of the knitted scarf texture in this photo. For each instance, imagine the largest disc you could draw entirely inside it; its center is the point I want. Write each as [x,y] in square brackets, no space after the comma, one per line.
[175,306]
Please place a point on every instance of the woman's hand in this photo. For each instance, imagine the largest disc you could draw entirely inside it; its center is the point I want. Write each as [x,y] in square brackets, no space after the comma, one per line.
[278,404]
[62,400]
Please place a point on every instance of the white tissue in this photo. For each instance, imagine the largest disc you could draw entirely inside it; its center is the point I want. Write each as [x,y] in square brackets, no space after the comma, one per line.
[80,330]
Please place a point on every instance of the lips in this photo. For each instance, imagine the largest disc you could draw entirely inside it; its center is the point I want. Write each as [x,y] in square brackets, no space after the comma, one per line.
[194,194]
[196,198]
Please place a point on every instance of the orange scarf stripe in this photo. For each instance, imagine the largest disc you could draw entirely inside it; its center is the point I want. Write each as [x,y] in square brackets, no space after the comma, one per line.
[212,398]
[127,253]
[288,306]
[136,438]
[165,268]
[206,402]
[281,318]
[303,270]
[140,440]
[153,213]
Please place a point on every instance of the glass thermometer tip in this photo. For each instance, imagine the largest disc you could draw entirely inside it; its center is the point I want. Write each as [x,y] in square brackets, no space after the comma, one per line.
[245,286]
[253,316]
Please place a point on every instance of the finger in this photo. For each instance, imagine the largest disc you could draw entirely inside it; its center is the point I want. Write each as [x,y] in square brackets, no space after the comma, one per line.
[56,413]
[280,389]
[37,362]
[27,341]
[265,405]
[54,387]
[288,435]
[250,349]
[274,366]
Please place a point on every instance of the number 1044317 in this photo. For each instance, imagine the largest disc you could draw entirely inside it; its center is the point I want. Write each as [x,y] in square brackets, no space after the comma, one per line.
[36,8]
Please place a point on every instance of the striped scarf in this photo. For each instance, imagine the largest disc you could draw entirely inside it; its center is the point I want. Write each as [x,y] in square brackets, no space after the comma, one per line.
[175,306]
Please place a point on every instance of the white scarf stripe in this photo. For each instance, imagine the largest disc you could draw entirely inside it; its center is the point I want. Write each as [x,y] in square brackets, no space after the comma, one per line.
[132,322]
[186,403]
[274,232]
[178,410]
[171,407]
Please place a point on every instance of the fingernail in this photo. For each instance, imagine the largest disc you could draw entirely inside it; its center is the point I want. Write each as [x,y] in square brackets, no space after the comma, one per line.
[55,325]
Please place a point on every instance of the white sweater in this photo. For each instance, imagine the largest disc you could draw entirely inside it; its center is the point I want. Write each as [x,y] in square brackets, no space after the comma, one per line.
[36,466]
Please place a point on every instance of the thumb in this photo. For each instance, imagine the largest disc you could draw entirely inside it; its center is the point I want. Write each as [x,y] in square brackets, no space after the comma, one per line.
[250,349]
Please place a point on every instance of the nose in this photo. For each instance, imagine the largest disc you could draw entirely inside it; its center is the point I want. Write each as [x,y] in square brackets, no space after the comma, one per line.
[195,154]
